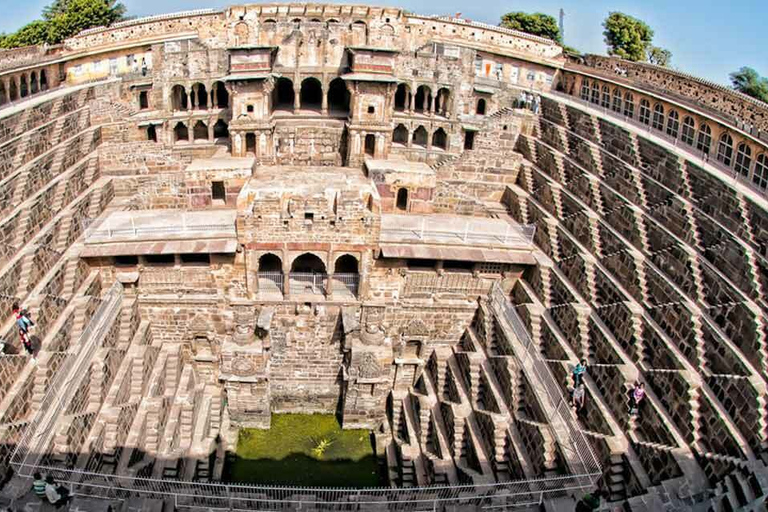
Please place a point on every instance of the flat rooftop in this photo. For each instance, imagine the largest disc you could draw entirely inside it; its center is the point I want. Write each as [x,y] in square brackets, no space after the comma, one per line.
[222,164]
[163,232]
[270,181]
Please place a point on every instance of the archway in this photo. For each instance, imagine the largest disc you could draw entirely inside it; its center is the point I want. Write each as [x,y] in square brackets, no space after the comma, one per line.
[400,135]
[200,131]
[180,132]
[439,139]
[401,202]
[423,100]
[220,130]
[2,93]
[151,133]
[311,96]
[43,80]
[13,91]
[283,95]
[308,263]
[270,274]
[402,98]
[250,143]
[179,98]
[480,110]
[143,100]
[33,86]
[23,90]
[442,100]
[420,137]
[370,144]
[346,275]
[308,275]
[219,95]
[338,97]
[199,96]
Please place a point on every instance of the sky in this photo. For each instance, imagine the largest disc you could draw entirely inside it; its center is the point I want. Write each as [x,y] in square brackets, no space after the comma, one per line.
[708,38]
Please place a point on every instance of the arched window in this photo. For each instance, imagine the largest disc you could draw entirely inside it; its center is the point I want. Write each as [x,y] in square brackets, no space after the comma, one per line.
[595,93]
[480,109]
[629,105]
[725,149]
[283,95]
[33,87]
[400,135]
[585,89]
[658,117]
[645,112]
[311,97]
[345,275]
[688,135]
[606,103]
[270,274]
[43,80]
[178,98]
[760,176]
[180,132]
[423,99]
[704,141]
[673,124]
[308,275]
[441,101]
[439,139]
[199,96]
[338,97]
[370,144]
[743,159]
[616,101]
[401,202]
[420,137]
[200,131]
[23,86]
[402,98]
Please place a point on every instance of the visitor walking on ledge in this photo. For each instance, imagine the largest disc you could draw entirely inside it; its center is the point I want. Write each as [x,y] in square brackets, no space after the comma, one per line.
[636,398]
[578,372]
[22,318]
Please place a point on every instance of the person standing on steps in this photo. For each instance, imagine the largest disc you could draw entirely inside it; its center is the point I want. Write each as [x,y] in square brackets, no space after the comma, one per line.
[578,372]
[578,397]
[636,398]
[22,318]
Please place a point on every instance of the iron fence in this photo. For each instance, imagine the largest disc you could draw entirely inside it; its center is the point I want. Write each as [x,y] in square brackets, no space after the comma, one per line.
[270,282]
[469,231]
[303,283]
[345,284]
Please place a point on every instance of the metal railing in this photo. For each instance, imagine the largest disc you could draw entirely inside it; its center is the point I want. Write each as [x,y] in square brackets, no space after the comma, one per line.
[270,282]
[133,230]
[417,283]
[704,157]
[472,230]
[64,385]
[345,284]
[304,283]
[578,452]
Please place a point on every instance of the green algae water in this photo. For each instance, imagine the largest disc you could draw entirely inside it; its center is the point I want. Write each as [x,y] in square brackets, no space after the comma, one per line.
[304,450]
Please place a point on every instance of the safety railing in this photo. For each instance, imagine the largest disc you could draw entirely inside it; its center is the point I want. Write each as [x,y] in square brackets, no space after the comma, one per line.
[270,282]
[418,283]
[706,157]
[307,283]
[469,231]
[36,436]
[134,227]
[573,442]
[345,284]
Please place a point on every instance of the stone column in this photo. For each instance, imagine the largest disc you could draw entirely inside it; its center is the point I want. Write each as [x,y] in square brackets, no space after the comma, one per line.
[210,131]
[193,96]
[214,96]
[325,102]
[190,132]
[432,104]
[410,138]
[296,97]
[286,277]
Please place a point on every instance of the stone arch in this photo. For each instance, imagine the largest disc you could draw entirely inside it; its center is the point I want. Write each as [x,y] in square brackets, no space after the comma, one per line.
[283,95]
[338,96]
[346,264]
[311,95]
[242,33]
[34,87]
[13,90]
[270,262]
[199,96]
[221,130]
[23,87]
[359,32]
[420,137]
[423,99]
[400,135]
[43,80]
[179,97]
[200,131]
[480,108]
[269,24]
[296,23]
[440,139]
[3,93]
[180,132]
[442,101]
[219,95]
[402,97]
[308,263]
[401,199]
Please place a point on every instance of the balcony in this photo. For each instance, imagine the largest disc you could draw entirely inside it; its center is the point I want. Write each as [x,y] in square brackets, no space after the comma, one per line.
[309,284]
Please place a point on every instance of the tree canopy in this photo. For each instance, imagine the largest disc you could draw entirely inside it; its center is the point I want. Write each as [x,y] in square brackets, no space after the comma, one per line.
[63,19]
[749,81]
[632,39]
[659,56]
[536,24]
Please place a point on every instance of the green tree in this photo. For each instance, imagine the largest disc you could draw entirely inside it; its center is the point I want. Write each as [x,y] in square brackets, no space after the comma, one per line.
[627,37]
[32,33]
[536,24]
[748,81]
[659,56]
